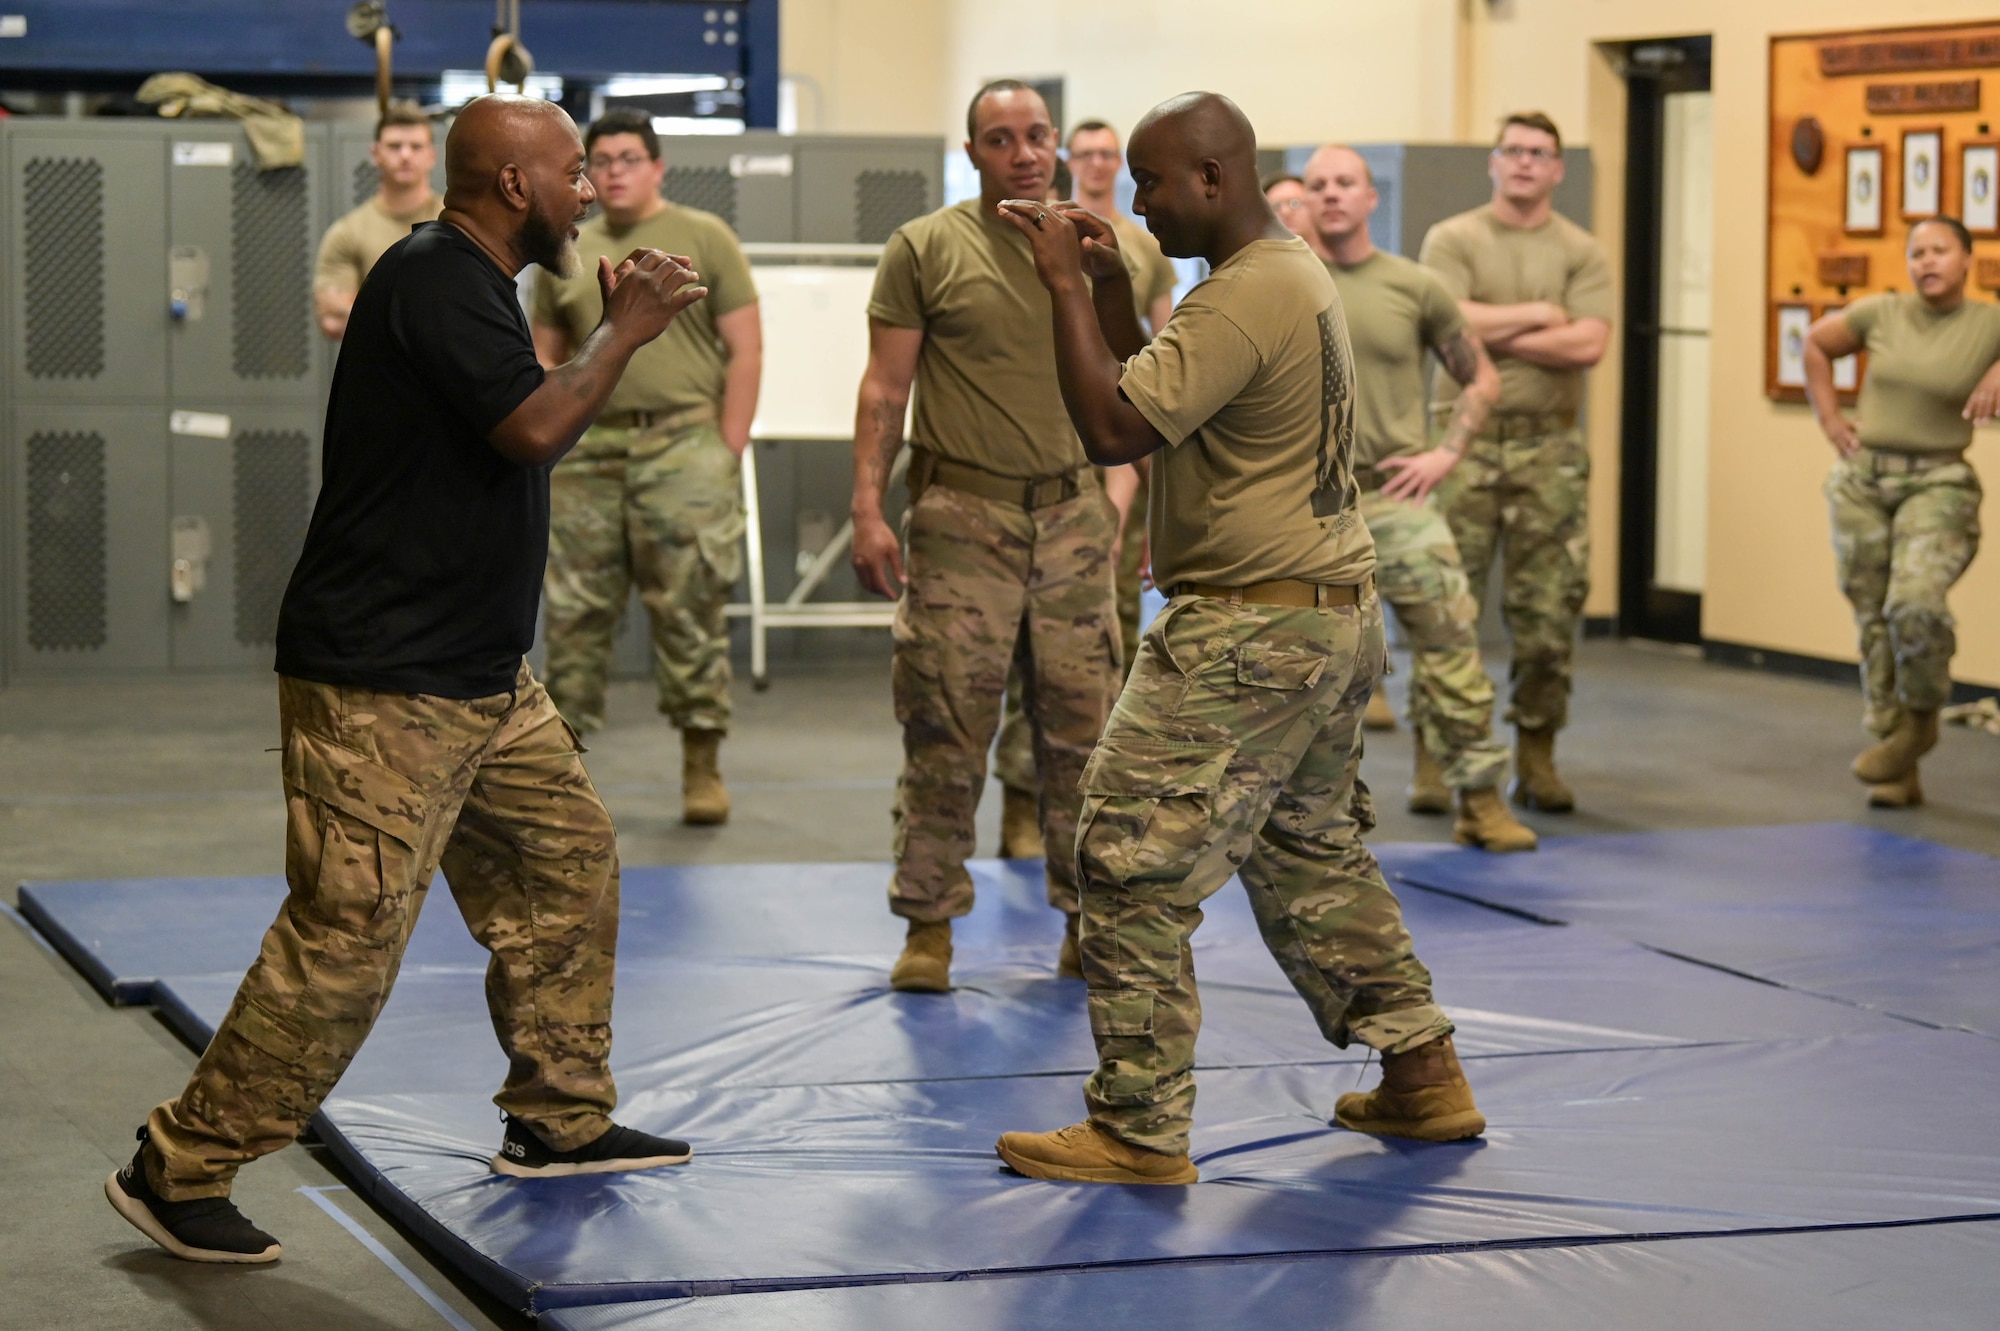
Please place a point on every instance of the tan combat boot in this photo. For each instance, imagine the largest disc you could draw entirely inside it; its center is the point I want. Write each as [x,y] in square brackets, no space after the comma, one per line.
[1020,824]
[1069,962]
[925,966]
[1086,1153]
[1895,756]
[1904,794]
[1380,715]
[1483,821]
[1536,785]
[1423,1096]
[1428,793]
[704,799]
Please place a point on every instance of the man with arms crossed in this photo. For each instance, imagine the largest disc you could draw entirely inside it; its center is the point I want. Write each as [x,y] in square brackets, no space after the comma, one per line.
[1010,537]
[404,154]
[1234,747]
[414,735]
[653,492]
[1095,159]
[1536,290]
[1396,311]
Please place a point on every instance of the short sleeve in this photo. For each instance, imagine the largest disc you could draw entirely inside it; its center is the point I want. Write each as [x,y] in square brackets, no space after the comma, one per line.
[898,298]
[725,271]
[1441,319]
[338,267]
[1864,316]
[1200,361]
[1587,294]
[463,332]
[1444,253]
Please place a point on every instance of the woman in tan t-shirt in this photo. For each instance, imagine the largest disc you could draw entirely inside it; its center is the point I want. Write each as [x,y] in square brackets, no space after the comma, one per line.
[1904,501]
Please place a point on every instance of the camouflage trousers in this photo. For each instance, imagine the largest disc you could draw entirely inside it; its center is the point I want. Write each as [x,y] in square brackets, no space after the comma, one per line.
[993,585]
[660,507]
[1234,748]
[382,789]
[1525,494]
[1900,540]
[1014,754]
[1418,573]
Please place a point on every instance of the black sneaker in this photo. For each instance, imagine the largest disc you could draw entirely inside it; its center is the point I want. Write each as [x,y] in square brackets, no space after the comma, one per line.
[525,1155]
[208,1229]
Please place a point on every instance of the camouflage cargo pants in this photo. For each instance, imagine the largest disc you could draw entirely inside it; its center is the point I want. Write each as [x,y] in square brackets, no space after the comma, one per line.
[1234,748]
[1418,573]
[662,508]
[1526,486]
[992,586]
[382,788]
[1014,754]
[1900,540]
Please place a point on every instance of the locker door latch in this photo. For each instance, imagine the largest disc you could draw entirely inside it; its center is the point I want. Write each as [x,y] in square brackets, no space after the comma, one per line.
[187,283]
[190,547]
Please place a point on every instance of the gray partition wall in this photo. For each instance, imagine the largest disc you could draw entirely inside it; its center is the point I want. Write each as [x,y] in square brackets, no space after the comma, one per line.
[164,379]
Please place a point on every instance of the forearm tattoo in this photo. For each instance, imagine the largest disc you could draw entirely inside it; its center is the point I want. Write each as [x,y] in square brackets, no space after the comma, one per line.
[886,416]
[1461,362]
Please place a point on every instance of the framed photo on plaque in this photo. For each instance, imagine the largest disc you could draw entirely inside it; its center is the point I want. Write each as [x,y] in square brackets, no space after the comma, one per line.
[1979,188]
[1789,325]
[1923,173]
[1863,215]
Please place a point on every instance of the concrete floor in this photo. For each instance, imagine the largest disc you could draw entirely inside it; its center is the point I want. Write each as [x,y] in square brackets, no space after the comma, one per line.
[124,779]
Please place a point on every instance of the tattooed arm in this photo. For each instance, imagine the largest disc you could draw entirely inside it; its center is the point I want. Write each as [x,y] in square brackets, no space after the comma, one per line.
[1466,361]
[878,437]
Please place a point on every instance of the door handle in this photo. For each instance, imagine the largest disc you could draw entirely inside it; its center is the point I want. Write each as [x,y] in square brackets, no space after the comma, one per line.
[189,548]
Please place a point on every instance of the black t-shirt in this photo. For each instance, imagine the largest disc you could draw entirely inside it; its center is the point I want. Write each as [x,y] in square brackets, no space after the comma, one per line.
[423,564]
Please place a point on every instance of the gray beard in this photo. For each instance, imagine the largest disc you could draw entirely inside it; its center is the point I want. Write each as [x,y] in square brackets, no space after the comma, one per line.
[549,245]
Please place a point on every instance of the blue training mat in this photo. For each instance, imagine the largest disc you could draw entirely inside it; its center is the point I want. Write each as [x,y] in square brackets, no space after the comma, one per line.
[1903,926]
[816,1185]
[1845,1280]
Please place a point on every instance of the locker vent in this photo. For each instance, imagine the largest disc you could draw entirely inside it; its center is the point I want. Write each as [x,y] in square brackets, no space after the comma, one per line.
[66,532]
[63,244]
[710,188]
[271,480]
[884,200]
[270,270]
[366,178]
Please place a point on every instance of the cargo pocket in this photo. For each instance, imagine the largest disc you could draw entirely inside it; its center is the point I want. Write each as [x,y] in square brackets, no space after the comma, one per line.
[1147,807]
[1278,667]
[369,820]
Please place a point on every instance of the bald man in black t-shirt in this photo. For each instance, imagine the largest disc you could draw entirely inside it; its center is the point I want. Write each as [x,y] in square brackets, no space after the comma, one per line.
[414,733]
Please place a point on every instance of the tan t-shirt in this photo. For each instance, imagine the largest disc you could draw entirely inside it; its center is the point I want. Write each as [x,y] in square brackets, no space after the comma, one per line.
[353,244]
[1252,384]
[1153,275]
[1922,366]
[685,366]
[1396,310]
[1482,259]
[986,378]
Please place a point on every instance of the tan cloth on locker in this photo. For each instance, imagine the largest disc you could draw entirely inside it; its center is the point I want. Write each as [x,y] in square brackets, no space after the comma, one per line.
[1252,384]
[277,137]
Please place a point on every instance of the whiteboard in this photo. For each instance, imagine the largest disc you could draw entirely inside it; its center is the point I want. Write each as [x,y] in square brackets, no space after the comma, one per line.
[815,318]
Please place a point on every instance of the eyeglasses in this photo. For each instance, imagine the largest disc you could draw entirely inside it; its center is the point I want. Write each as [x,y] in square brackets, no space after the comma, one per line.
[1094,155]
[1287,205]
[623,161]
[1515,152]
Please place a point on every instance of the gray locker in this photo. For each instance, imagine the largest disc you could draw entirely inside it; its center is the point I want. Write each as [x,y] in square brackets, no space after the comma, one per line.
[88,311]
[858,191]
[748,180]
[89,526]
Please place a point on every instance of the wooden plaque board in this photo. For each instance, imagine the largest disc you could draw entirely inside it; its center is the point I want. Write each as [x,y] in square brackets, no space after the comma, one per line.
[1934,78]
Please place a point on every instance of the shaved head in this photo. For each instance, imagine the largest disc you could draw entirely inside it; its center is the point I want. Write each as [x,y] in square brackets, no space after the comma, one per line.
[514,179]
[1194,160]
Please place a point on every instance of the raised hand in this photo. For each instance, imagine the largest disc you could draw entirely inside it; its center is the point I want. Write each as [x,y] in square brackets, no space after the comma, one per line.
[643,294]
[1100,243]
[1057,245]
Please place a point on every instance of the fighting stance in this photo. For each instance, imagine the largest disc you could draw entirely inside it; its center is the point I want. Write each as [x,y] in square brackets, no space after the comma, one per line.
[404,153]
[413,733]
[1010,537]
[1095,159]
[1904,501]
[653,492]
[1396,311]
[1536,290]
[1234,746]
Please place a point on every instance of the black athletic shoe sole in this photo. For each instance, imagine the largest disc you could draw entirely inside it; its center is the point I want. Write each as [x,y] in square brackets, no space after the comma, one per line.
[140,1217]
[565,1168]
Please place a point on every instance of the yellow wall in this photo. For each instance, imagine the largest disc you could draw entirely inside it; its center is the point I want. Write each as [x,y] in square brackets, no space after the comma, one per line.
[866,66]
[1770,568]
